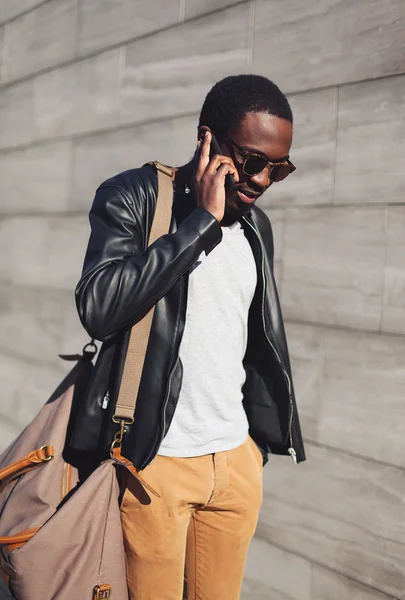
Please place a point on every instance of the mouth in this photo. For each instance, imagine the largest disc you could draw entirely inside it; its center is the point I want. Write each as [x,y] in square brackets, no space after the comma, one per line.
[247,196]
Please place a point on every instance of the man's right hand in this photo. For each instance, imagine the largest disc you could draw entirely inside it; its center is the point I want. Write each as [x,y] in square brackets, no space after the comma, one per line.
[209,178]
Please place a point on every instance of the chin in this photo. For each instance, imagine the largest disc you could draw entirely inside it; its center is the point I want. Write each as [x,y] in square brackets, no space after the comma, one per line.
[237,204]
[235,211]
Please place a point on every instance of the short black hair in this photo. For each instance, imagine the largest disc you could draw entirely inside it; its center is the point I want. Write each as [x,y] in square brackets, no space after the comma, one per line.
[232,98]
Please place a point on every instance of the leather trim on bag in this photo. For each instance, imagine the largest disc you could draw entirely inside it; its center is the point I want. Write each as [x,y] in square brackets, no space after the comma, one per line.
[12,542]
[66,479]
[31,461]
[124,462]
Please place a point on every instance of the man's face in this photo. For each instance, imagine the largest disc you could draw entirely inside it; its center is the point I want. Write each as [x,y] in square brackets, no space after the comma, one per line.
[258,133]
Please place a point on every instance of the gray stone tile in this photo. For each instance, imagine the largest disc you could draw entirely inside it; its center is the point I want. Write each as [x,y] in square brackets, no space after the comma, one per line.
[74,337]
[276,218]
[268,574]
[312,152]
[79,98]
[98,157]
[36,325]
[303,45]
[16,115]
[333,263]
[362,394]
[36,179]
[341,512]
[170,73]
[9,10]
[194,8]
[307,353]
[8,433]
[26,386]
[39,39]
[331,586]
[394,289]
[371,147]
[32,322]
[43,251]
[57,102]
[108,22]
[349,388]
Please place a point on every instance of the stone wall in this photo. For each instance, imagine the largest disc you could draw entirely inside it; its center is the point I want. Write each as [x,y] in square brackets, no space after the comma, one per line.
[92,87]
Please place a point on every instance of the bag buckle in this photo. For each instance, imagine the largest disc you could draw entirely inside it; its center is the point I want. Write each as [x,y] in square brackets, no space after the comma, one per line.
[119,435]
[102,592]
[48,451]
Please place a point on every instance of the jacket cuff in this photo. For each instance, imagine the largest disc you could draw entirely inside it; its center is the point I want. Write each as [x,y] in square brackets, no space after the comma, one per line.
[206,226]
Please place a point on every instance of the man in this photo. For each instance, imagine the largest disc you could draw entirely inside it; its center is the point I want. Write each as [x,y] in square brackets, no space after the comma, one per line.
[217,366]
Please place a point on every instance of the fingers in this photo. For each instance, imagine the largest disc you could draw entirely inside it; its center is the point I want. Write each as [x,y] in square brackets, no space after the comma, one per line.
[222,164]
[203,147]
[227,169]
[217,164]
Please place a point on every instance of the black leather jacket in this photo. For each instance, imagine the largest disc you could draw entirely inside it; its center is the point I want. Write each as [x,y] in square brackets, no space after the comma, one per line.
[122,279]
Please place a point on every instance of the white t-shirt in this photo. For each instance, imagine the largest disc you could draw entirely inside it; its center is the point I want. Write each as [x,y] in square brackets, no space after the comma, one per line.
[209,416]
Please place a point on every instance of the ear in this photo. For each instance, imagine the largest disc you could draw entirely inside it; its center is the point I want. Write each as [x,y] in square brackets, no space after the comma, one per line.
[202,131]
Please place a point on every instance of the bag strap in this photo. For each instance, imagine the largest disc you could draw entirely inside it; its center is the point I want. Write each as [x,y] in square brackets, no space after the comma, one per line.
[139,337]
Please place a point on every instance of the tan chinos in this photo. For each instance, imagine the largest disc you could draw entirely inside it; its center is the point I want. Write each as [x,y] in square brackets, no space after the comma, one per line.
[192,542]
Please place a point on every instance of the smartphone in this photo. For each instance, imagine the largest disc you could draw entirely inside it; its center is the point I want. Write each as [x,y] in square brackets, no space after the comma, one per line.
[216,149]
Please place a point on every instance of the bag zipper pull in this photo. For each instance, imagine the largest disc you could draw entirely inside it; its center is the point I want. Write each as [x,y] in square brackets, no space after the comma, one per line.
[106,400]
[293,454]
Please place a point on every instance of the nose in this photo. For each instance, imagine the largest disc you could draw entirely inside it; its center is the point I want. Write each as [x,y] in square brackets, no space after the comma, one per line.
[262,179]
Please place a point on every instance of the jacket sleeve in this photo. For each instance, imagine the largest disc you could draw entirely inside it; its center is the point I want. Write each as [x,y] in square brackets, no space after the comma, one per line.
[121,281]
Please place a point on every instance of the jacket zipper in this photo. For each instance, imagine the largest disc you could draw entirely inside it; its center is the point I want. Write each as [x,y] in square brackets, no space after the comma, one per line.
[291,449]
[166,400]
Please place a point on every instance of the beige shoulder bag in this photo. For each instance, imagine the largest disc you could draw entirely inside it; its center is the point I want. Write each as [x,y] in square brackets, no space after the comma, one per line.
[58,540]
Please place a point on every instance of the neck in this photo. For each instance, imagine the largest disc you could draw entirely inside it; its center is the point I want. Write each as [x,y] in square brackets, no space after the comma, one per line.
[183,175]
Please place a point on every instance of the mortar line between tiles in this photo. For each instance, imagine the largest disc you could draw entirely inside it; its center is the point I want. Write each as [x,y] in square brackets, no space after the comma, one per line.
[335,146]
[35,289]
[311,578]
[384,267]
[344,84]
[80,212]
[66,214]
[99,51]
[122,65]
[70,185]
[79,5]
[132,124]
[323,566]
[93,53]
[35,362]
[251,37]
[2,36]
[77,212]
[25,12]
[345,452]
[10,421]
[96,132]
[295,207]
[182,11]
[343,328]
[281,259]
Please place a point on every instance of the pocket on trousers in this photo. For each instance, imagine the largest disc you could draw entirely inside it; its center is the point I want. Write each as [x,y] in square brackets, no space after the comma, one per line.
[256,452]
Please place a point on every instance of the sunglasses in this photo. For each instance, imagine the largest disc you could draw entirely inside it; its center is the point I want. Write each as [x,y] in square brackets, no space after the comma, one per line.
[255,163]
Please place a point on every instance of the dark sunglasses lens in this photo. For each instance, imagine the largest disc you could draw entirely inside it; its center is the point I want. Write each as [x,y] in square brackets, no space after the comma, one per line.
[280,172]
[254,164]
